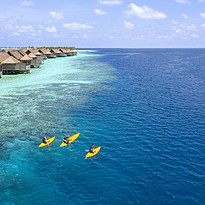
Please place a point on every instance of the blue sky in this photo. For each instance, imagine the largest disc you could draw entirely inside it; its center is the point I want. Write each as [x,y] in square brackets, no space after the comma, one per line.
[103,23]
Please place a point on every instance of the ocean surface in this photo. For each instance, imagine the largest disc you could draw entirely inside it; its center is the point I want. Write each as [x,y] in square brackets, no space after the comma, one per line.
[144,107]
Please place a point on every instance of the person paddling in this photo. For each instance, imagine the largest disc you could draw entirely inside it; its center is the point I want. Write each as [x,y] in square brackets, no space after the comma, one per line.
[66,139]
[45,140]
[92,149]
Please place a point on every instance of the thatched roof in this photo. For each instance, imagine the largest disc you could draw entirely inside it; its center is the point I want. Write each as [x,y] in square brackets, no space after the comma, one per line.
[34,50]
[38,53]
[64,50]
[43,50]
[48,53]
[3,56]
[56,51]
[26,58]
[32,55]
[10,60]
[15,54]
[22,51]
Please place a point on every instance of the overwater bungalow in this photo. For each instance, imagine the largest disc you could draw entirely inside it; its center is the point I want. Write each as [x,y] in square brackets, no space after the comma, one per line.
[40,58]
[3,55]
[72,52]
[34,63]
[42,54]
[35,54]
[27,60]
[57,52]
[0,70]
[20,54]
[68,52]
[14,61]
[75,52]
[47,53]
[65,51]
[13,66]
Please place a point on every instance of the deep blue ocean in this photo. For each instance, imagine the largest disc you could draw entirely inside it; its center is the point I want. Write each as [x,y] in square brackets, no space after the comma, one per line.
[144,107]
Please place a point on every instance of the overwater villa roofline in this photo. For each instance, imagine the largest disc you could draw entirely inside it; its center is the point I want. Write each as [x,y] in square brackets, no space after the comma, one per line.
[32,55]
[26,58]
[38,53]
[10,60]
[3,56]
[16,54]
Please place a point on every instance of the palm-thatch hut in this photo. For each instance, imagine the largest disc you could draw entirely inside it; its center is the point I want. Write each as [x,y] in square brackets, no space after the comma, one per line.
[13,66]
[39,56]
[0,70]
[33,61]
[69,52]
[74,52]
[65,51]
[27,60]
[47,53]
[3,56]
[57,52]
[42,53]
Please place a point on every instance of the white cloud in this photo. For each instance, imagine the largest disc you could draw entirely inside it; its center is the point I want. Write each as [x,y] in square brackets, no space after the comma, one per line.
[191,27]
[185,31]
[129,25]
[28,3]
[183,1]
[51,29]
[184,27]
[77,26]
[85,36]
[200,1]
[145,12]
[202,15]
[56,35]
[194,35]
[9,27]
[203,25]
[178,30]
[15,34]
[40,26]
[56,15]
[107,36]
[174,22]
[24,28]
[110,2]
[185,16]
[99,12]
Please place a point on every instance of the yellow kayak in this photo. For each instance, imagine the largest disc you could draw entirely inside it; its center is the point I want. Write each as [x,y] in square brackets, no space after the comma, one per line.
[50,140]
[71,139]
[89,154]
